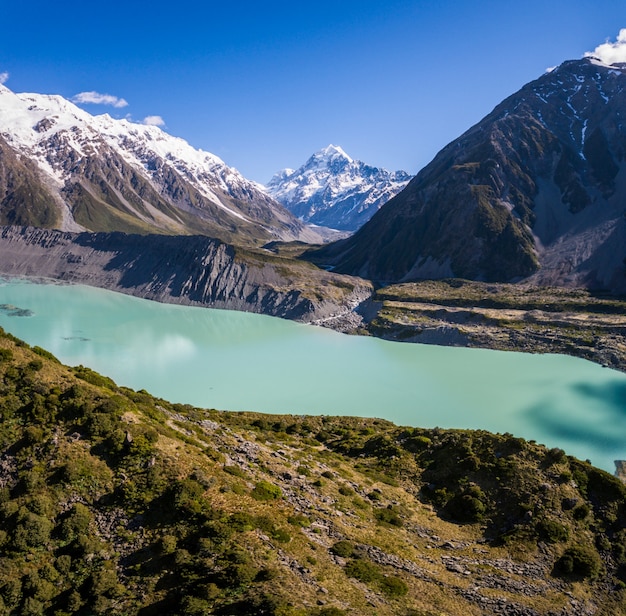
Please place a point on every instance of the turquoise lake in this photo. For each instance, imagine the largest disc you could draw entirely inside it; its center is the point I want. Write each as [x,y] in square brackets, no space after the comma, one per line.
[239,361]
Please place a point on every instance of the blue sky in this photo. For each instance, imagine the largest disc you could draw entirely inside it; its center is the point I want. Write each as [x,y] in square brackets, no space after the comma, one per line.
[265,84]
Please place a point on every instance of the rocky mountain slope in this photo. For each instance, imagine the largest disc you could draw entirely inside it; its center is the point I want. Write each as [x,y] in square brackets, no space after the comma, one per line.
[114,502]
[61,167]
[537,188]
[191,270]
[333,190]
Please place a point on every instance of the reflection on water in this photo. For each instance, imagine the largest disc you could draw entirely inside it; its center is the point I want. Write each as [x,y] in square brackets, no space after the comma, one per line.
[239,361]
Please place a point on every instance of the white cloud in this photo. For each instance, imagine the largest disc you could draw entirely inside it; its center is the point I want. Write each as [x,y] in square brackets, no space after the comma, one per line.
[4,77]
[99,99]
[154,121]
[609,52]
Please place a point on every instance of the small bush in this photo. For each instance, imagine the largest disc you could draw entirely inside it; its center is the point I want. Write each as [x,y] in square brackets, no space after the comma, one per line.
[241,521]
[581,512]
[388,517]
[579,562]
[346,490]
[362,570]
[552,531]
[43,353]
[235,471]
[266,491]
[35,365]
[343,548]
[299,520]
[393,586]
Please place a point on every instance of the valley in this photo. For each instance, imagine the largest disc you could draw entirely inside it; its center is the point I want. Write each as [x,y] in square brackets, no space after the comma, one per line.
[243,373]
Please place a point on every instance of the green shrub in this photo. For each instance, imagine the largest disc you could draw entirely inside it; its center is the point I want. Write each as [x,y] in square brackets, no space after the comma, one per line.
[362,570]
[241,521]
[266,491]
[35,365]
[281,535]
[346,490]
[388,517]
[580,562]
[581,512]
[235,471]
[299,520]
[467,507]
[343,548]
[552,531]
[76,523]
[393,586]
[31,531]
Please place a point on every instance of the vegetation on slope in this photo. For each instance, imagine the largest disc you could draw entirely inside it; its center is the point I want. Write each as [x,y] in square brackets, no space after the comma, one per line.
[115,502]
[505,316]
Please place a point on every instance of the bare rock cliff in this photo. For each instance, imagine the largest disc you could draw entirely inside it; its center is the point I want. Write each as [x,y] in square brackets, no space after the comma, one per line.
[190,270]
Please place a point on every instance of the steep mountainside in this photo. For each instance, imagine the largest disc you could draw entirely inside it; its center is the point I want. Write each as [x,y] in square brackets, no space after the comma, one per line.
[332,190]
[538,187]
[114,502]
[191,270]
[62,167]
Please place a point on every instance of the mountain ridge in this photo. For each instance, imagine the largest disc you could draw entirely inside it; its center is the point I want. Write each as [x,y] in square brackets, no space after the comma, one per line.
[531,192]
[114,175]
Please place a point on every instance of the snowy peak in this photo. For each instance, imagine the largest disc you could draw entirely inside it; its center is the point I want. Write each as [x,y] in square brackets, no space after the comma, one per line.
[331,153]
[108,174]
[331,189]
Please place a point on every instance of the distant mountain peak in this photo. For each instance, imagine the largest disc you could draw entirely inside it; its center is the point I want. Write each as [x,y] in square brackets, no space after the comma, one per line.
[333,190]
[332,151]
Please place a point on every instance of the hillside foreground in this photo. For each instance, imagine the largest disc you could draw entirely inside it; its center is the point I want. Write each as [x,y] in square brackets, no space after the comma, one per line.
[116,502]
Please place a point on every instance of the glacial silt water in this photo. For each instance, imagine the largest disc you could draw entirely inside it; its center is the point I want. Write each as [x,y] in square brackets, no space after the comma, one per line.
[238,361]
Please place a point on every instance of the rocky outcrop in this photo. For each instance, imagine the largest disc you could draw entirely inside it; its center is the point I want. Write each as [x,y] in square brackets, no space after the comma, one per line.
[190,270]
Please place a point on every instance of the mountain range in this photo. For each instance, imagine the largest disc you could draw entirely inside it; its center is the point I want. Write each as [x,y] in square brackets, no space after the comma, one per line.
[61,167]
[333,190]
[535,191]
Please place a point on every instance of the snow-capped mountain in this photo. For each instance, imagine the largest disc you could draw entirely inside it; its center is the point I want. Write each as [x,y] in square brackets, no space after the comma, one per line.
[333,190]
[62,167]
[538,187]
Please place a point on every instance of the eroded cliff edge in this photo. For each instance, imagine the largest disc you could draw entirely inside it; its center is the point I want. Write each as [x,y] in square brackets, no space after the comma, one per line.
[190,270]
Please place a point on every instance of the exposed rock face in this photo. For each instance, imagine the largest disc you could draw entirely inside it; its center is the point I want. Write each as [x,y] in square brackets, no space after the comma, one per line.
[76,171]
[191,270]
[333,190]
[536,188]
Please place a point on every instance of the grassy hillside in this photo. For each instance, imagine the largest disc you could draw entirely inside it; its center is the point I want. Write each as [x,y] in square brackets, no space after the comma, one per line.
[116,502]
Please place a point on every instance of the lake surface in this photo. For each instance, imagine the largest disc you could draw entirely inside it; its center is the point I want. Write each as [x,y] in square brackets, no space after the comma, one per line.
[239,361]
